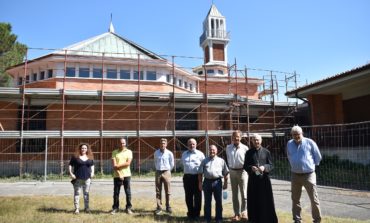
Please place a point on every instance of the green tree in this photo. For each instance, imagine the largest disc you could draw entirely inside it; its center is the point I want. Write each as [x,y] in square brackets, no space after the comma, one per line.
[11,52]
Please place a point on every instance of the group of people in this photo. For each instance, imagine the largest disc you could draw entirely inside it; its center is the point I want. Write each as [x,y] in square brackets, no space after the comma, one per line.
[248,170]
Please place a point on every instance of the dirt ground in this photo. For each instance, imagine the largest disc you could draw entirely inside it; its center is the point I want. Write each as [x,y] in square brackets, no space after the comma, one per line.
[336,202]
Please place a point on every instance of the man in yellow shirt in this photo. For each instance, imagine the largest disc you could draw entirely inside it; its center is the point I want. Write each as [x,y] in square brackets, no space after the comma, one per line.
[121,161]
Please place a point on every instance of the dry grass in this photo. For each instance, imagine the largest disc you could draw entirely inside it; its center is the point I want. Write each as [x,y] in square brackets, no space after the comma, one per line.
[60,209]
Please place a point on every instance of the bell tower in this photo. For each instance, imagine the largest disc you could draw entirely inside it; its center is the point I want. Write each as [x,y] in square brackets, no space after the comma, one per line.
[214,42]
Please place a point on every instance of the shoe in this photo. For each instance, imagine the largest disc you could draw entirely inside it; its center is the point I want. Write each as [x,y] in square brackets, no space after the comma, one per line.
[235,218]
[169,210]
[77,211]
[114,211]
[158,211]
[244,216]
[129,211]
[87,210]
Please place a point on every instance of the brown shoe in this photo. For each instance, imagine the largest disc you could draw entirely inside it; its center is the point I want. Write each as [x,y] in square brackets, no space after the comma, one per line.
[244,216]
[235,218]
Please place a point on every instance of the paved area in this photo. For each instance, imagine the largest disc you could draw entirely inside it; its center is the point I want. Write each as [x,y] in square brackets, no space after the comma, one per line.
[334,201]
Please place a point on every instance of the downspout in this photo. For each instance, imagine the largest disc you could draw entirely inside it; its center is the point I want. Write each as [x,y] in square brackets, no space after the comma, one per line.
[309,106]
[305,100]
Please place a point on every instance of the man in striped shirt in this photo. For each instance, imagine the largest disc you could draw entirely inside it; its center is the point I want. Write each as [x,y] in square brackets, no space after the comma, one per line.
[235,154]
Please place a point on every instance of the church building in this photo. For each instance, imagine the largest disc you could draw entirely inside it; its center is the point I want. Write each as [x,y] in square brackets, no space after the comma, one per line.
[107,87]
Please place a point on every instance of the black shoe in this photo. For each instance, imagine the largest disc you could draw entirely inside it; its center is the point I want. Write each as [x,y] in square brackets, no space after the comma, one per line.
[169,210]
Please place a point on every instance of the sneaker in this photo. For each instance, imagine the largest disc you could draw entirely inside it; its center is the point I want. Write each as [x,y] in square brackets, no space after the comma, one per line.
[77,211]
[114,211]
[169,210]
[87,210]
[158,211]
[129,211]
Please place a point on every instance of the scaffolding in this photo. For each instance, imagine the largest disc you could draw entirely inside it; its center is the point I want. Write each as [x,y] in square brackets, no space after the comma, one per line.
[65,106]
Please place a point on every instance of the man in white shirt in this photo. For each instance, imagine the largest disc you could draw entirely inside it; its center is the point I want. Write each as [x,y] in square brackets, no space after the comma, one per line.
[164,163]
[235,154]
[191,160]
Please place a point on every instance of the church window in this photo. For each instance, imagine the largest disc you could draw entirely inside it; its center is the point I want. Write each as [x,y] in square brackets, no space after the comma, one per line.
[97,73]
[71,72]
[124,74]
[112,73]
[151,75]
[84,72]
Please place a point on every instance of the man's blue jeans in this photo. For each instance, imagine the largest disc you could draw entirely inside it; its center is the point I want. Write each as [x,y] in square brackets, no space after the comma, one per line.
[212,187]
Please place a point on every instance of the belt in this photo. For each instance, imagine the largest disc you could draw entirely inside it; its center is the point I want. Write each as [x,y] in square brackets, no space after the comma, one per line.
[236,168]
[162,171]
[213,179]
[190,175]
[301,174]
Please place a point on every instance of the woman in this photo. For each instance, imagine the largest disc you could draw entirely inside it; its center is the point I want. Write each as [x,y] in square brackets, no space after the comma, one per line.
[261,207]
[81,170]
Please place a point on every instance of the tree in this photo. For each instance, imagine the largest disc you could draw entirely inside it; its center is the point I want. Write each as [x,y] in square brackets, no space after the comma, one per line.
[11,52]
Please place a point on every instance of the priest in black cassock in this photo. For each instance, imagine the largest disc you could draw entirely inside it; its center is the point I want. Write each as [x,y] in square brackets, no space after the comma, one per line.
[260,203]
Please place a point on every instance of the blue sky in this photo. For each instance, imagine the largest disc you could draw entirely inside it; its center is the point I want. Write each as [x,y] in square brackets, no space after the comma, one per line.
[314,38]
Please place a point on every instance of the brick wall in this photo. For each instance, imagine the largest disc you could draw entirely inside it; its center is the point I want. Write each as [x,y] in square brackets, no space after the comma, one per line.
[48,83]
[206,54]
[215,121]
[8,115]
[116,117]
[218,52]
[326,109]
[227,88]
[357,109]
[109,85]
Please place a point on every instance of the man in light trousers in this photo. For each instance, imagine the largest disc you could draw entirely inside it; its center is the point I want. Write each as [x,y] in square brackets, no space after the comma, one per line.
[235,154]
[164,163]
[303,155]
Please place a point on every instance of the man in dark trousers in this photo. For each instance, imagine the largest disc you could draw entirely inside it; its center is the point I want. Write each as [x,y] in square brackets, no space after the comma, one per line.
[214,169]
[191,160]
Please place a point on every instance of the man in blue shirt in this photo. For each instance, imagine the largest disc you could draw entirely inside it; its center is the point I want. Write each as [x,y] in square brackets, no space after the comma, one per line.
[164,163]
[303,155]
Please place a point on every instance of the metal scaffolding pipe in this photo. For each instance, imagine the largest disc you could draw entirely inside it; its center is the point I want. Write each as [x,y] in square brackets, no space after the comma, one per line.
[22,121]
[273,100]
[138,101]
[63,116]
[102,115]
[206,102]
[247,92]
[173,110]
[236,95]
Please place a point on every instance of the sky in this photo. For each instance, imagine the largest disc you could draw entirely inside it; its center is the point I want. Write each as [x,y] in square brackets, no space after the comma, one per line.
[315,39]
